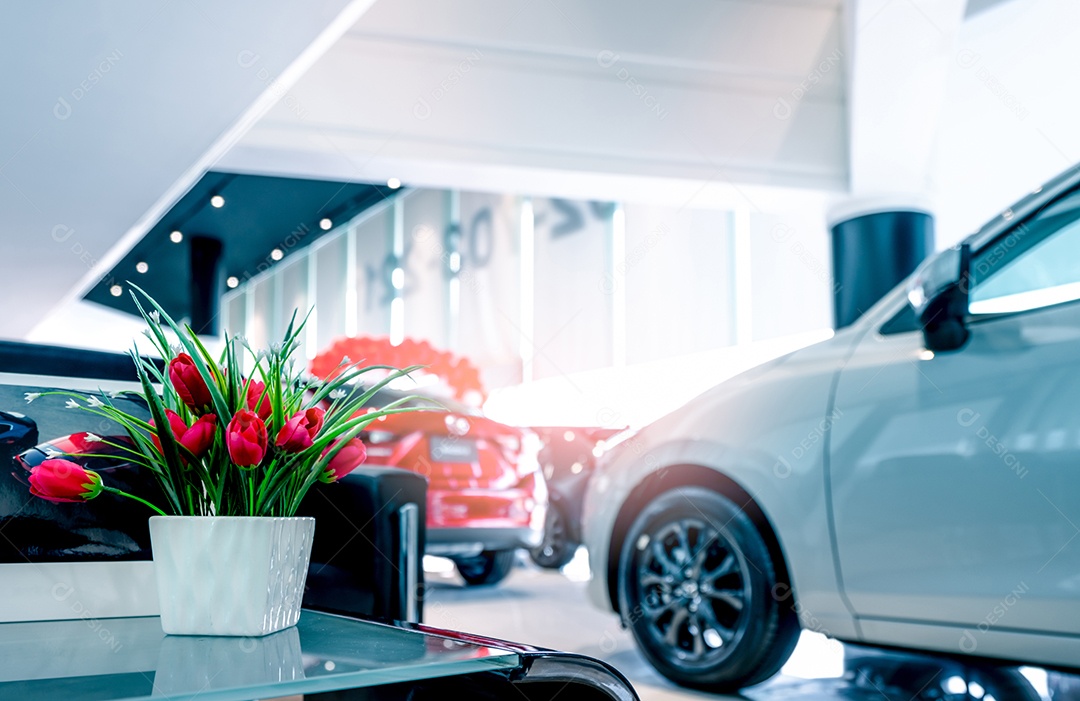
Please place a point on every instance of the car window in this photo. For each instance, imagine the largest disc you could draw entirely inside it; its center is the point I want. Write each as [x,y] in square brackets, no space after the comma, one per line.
[1035,265]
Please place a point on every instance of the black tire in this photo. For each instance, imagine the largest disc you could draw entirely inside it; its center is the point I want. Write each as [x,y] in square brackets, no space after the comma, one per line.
[697,589]
[1004,684]
[557,548]
[487,568]
[905,676]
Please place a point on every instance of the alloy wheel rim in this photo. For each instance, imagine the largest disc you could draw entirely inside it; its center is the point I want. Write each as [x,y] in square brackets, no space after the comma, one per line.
[694,590]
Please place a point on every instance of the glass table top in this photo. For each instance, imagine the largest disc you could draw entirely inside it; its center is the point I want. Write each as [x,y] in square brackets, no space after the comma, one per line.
[131,659]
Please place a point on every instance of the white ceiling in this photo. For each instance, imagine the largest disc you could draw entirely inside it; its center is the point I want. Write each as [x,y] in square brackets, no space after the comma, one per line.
[494,95]
[710,101]
[112,109]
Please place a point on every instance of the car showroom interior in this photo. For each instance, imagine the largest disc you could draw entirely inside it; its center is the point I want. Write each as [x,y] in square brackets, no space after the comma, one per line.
[542,349]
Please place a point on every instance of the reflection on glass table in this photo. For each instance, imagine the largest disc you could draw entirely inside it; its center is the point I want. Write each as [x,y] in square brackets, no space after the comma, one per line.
[130,658]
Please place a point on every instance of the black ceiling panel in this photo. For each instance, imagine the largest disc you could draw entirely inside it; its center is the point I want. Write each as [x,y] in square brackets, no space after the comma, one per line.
[260,213]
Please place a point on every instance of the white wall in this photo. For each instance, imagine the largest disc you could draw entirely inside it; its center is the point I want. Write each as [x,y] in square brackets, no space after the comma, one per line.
[679,286]
[791,272]
[111,112]
[1009,119]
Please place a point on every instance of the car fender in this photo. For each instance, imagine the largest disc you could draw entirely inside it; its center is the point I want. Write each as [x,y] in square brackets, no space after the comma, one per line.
[760,439]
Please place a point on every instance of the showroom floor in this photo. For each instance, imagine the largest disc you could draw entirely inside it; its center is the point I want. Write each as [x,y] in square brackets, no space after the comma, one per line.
[550,609]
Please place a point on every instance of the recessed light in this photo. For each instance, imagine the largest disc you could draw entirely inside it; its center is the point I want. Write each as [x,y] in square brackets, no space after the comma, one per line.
[277,254]
[217,201]
[233,282]
[325,224]
[393,183]
[176,236]
[141,266]
[116,290]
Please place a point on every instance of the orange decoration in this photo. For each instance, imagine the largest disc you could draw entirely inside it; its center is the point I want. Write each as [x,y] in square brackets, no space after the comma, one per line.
[457,372]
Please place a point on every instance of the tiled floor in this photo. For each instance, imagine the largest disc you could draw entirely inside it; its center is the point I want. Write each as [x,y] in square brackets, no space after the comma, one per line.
[550,609]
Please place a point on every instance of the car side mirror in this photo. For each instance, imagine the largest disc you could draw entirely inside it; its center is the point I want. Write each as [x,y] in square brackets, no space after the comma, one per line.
[943,318]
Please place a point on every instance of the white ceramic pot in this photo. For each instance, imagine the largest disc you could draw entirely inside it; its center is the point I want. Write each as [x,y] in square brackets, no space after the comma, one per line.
[230,575]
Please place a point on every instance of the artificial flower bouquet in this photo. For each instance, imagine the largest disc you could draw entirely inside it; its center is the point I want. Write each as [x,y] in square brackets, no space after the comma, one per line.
[220,442]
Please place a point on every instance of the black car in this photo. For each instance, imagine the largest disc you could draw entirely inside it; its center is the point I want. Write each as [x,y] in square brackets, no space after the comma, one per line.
[567,459]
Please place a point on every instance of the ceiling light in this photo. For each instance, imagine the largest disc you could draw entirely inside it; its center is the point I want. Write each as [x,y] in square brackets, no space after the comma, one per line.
[325,224]
[176,236]
[277,254]
[233,282]
[141,266]
[393,183]
[116,290]
[217,201]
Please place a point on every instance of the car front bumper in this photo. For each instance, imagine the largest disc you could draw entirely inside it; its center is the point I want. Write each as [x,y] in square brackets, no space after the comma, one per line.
[466,542]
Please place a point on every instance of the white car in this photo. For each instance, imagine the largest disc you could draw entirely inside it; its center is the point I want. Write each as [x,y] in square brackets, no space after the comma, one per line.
[914,481]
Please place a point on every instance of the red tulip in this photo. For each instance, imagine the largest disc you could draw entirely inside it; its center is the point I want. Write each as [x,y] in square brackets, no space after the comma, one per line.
[246,438]
[197,438]
[347,459]
[257,402]
[179,428]
[60,480]
[300,430]
[189,382]
[200,436]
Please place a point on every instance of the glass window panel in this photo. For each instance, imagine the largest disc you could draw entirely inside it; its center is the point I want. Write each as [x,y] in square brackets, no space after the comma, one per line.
[330,269]
[260,326]
[572,308]
[294,297]
[235,309]
[489,286]
[425,290]
[374,236]
[1035,265]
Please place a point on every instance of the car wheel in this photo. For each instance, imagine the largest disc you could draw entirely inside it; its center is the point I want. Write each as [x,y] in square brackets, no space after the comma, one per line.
[557,548]
[489,567]
[915,677]
[696,584]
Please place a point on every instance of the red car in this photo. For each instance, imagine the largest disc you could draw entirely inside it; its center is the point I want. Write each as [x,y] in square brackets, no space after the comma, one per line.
[486,494]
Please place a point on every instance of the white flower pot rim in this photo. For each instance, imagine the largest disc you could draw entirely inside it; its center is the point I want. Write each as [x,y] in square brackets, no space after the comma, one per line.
[297,518]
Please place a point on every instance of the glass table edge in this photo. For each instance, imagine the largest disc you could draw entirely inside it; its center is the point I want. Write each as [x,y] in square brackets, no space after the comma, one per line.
[341,682]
